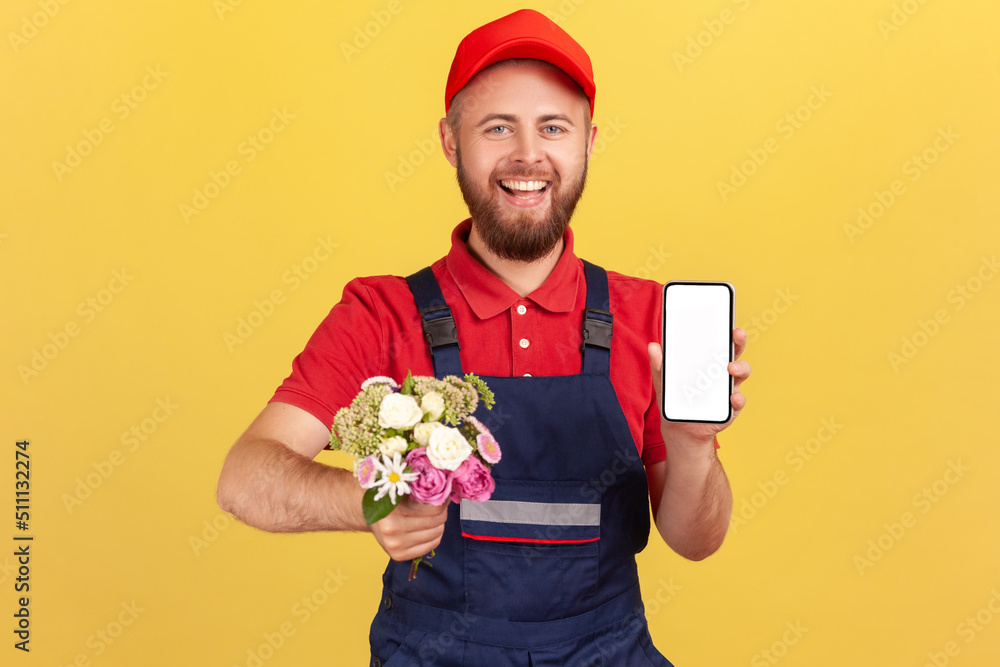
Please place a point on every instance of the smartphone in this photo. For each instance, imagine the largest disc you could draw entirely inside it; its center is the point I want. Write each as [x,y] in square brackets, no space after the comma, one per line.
[697,345]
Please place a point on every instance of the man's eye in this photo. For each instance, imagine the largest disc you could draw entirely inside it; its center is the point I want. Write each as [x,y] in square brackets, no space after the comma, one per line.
[552,129]
[499,129]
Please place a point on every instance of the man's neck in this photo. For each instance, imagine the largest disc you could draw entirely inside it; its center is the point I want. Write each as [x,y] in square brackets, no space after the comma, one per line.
[522,277]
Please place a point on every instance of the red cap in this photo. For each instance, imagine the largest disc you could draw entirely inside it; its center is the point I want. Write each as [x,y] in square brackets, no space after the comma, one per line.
[523,34]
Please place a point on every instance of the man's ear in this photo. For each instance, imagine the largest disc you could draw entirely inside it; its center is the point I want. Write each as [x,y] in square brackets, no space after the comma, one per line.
[449,142]
[593,137]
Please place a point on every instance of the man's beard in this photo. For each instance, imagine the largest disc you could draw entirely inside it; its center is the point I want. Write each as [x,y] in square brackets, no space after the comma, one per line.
[517,235]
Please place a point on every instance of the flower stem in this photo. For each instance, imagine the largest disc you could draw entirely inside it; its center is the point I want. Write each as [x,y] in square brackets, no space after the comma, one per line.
[417,561]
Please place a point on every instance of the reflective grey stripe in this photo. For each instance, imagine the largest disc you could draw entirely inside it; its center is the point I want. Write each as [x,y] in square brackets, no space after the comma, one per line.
[541,514]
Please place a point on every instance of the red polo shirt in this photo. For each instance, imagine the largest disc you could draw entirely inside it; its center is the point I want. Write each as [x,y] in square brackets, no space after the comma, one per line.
[376,330]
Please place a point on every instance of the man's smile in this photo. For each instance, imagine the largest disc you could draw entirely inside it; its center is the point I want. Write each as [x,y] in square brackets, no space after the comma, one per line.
[524,193]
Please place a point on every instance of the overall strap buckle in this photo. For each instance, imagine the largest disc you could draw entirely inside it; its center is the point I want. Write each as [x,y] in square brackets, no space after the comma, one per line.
[439,327]
[437,322]
[597,328]
[598,323]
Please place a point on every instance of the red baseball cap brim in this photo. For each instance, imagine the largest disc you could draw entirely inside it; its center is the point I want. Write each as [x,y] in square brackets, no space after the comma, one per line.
[522,34]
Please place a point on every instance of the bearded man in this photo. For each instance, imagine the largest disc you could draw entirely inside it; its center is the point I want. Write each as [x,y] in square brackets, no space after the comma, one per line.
[569,351]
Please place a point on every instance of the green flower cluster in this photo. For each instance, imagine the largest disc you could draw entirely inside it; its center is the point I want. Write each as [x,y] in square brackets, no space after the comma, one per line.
[484,391]
[355,428]
[460,396]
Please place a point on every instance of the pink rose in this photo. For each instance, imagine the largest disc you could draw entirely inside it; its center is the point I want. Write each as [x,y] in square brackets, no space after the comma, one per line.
[472,480]
[433,485]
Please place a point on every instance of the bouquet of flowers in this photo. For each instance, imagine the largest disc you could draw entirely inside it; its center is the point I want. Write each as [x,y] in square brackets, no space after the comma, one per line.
[419,439]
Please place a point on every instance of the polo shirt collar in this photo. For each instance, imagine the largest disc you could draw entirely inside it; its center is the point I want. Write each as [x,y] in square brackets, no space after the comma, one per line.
[489,296]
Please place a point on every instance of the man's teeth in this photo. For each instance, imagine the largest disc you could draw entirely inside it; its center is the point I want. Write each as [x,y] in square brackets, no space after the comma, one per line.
[524,185]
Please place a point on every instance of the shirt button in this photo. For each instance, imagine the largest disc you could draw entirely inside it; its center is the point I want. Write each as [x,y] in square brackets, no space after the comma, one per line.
[388,602]
[524,343]
[376,662]
[521,310]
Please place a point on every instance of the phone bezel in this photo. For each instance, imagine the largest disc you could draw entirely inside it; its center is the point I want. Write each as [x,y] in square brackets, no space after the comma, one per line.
[732,349]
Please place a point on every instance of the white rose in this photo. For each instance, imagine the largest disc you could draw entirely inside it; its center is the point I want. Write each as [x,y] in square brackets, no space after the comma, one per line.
[422,432]
[447,448]
[393,445]
[433,404]
[399,411]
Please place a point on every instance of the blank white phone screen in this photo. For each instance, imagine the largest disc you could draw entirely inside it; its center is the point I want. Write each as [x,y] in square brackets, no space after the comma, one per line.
[696,351]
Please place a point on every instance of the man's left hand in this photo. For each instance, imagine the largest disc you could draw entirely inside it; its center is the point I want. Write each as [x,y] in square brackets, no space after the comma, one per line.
[693,437]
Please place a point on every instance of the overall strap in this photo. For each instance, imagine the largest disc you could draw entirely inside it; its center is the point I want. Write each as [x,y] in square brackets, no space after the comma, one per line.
[439,325]
[597,323]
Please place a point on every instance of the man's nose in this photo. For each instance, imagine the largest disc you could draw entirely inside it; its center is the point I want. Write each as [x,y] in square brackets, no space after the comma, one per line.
[527,149]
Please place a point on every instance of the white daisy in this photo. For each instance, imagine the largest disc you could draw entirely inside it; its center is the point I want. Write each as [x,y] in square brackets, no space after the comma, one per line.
[393,480]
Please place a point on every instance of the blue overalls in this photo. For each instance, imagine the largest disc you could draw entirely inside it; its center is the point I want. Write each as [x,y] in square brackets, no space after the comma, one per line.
[543,573]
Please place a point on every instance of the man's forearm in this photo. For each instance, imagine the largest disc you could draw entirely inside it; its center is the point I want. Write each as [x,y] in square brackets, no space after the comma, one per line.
[696,505]
[271,487]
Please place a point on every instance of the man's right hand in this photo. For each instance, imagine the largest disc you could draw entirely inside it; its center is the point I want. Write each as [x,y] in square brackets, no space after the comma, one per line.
[271,481]
[412,529]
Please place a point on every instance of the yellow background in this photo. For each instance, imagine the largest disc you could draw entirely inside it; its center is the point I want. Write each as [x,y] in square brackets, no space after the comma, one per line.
[671,130]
